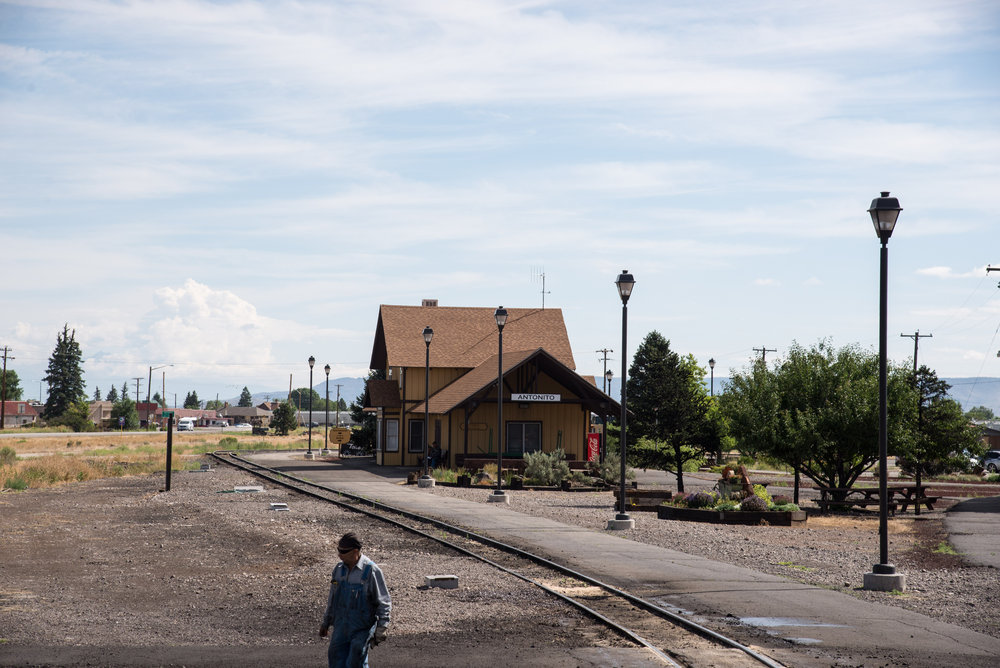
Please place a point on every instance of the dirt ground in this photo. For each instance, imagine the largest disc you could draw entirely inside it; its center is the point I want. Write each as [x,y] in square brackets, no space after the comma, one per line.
[116,572]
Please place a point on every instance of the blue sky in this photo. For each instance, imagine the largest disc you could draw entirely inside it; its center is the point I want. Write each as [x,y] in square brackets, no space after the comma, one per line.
[230,187]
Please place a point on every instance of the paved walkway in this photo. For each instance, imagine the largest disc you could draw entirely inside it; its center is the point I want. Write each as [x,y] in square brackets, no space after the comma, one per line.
[818,627]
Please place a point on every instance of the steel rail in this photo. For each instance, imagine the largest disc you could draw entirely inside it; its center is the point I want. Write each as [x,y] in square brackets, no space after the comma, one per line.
[640,603]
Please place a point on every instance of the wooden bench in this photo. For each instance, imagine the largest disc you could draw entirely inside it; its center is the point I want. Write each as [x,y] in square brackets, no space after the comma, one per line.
[642,499]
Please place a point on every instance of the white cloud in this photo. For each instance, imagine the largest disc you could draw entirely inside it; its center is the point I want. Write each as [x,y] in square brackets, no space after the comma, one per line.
[949,273]
[767,282]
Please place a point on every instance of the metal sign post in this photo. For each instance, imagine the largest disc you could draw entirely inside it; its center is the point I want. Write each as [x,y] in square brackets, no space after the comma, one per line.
[170,443]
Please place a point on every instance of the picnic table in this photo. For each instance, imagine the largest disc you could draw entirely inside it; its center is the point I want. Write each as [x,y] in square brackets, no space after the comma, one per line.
[869,496]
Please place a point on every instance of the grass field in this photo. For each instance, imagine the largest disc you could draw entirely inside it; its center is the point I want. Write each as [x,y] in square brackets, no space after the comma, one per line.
[64,457]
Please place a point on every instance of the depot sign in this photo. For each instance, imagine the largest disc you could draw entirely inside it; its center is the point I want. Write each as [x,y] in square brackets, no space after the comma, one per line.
[535,397]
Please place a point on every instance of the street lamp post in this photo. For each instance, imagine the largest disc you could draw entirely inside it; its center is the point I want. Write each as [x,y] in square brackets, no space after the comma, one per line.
[884,212]
[498,494]
[326,418]
[312,363]
[625,283]
[711,368]
[426,480]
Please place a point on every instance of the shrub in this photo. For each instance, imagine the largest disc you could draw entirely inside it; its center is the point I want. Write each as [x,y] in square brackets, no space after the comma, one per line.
[229,443]
[701,500]
[7,456]
[610,470]
[546,468]
[780,499]
[761,491]
[754,503]
[727,504]
[785,507]
[17,483]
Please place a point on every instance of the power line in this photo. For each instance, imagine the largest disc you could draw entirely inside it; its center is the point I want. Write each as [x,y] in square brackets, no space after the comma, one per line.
[916,336]
[763,353]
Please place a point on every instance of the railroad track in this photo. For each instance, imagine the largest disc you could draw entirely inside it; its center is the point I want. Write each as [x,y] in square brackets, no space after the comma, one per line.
[674,639]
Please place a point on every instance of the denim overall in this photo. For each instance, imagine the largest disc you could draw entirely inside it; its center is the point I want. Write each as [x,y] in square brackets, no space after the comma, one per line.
[354,621]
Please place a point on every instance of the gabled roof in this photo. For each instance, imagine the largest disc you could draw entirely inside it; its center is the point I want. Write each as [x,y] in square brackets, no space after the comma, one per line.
[382,394]
[464,336]
[478,383]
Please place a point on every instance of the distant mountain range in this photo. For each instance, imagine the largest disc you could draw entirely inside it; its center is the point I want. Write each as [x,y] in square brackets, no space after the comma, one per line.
[969,392]
[350,388]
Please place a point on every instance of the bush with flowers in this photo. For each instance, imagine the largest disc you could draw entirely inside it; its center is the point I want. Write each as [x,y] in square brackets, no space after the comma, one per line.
[760,501]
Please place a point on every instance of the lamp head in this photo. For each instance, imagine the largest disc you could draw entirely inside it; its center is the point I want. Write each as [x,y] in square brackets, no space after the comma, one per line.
[608,375]
[625,283]
[428,334]
[884,212]
[327,369]
[501,315]
[711,362]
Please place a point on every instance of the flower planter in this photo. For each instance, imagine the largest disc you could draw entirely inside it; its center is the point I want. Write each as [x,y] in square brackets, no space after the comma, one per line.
[643,499]
[782,518]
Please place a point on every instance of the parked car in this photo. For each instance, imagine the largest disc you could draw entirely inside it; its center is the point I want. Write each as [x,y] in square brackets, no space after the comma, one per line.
[991,461]
[185,424]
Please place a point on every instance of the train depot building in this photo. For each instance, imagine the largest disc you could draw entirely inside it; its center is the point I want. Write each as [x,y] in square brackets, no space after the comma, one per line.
[546,403]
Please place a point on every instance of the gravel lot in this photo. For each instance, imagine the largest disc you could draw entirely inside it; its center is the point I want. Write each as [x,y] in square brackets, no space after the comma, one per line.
[833,551]
[117,573]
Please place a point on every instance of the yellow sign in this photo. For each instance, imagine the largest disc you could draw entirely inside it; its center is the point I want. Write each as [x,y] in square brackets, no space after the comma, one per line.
[340,435]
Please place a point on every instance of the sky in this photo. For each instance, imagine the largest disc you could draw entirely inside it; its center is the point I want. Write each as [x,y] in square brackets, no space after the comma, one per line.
[231,187]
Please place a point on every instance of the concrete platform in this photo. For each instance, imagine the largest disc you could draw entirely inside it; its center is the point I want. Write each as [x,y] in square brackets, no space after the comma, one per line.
[796,624]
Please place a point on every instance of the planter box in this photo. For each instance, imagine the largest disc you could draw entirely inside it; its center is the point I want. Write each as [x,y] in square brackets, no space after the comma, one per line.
[647,500]
[795,518]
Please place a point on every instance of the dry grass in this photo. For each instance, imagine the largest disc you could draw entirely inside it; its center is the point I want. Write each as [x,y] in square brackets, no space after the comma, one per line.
[62,458]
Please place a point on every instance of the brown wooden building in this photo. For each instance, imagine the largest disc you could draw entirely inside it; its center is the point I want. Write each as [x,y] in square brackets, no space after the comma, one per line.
[546,404]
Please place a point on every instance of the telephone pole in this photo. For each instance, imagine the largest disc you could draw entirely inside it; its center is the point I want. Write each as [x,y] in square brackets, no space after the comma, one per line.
[763,353]
[605,352]
[339,385]
[916,336]
[3,387]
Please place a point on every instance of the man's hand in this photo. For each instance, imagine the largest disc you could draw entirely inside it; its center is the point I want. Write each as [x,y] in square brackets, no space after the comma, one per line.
[380,633]
[323,631]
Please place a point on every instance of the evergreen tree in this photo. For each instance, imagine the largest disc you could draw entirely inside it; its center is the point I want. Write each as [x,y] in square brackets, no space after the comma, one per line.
[157,399]
[191,400]
[343,404]
[97,393]
[112,394]
[64,375]
[246,399]
[124,392]
[671,408]
[11,385]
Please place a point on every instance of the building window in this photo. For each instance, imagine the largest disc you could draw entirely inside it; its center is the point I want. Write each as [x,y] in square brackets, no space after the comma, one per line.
[524,437]
[416,441]
[392,435]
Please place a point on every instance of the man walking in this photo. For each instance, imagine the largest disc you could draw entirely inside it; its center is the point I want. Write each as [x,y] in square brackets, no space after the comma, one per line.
[358,608]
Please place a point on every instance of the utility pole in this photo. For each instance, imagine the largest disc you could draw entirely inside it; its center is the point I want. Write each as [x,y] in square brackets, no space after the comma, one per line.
[605,352]
[137,381]
[763,353]
[3,387]
[916,336]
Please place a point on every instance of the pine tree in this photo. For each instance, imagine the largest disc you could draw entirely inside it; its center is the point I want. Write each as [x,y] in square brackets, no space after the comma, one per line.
[97,393]
[191,400]
[112,394]
[246,399]
[124,392]
[64,375]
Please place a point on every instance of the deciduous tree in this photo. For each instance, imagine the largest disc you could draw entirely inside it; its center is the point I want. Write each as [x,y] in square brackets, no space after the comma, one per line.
[283,419]
[11,385]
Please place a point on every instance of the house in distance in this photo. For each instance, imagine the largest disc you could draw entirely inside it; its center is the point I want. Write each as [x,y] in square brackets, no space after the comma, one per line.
[546,403]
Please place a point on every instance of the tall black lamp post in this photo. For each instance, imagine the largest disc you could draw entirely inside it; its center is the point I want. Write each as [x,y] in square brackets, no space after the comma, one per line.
[625,284]
[312,363]
[884,212]
[428,335]
[711,368]
[498,494]
[148,387]
[326,418]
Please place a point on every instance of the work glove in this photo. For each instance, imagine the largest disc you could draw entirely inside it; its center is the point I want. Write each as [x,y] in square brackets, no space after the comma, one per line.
[379,637]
